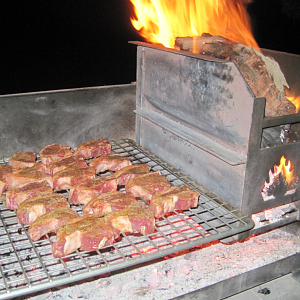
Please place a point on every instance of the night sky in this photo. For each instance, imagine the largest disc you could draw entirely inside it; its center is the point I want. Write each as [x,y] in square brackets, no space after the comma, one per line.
[50,45]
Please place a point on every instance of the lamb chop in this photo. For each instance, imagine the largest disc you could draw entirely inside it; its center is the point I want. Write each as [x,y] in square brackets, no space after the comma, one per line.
[127,173]
[146,185]
[53,152]
[84,192]
[23,176]
[51,222]
[93,148]
[30,209]
[16,195]
[136,218]
[66,162]
[69,177]
[88,233]
[4,169]
[108,202]
[22,160]
[113,162]
[176,197]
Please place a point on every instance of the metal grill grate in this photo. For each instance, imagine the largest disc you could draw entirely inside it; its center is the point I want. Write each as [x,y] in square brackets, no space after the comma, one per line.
[27,266]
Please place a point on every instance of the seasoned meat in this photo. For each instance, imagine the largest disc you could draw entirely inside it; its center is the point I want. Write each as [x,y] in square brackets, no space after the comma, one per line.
[127,173]
[51,222]
[93,148]
[4,169]
[23,176]
[146,185]
[16,195]
[88,233]
[108,202]
[22,160]
[69,177]
[66,162]
[53,152]
[113,162]
[181,198]
[30,209]
[135,218]
[84,192]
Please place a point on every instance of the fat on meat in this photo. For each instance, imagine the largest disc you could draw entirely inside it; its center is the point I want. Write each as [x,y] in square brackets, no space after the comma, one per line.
[22,160]
[16,195]
[112,162]
[51,222]
[93,148]
[147,185]
[136,218]
[66,162]
[23,176]
[129,172]
[108,202]
[69,177]
[88,233]
[53,152]
[176,197]
[30,209]
[4,169]
[84,192]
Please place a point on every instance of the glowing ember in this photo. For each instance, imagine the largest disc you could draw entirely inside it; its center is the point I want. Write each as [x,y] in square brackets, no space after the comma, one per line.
[295,101]
[282,175]
[161,21]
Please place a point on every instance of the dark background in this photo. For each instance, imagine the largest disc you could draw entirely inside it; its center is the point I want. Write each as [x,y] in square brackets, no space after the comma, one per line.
[49,45]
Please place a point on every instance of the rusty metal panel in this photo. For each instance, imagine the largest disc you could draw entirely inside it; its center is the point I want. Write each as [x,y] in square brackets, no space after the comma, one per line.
[31,121]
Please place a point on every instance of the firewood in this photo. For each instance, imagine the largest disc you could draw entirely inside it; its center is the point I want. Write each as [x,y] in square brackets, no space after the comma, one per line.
[262,73]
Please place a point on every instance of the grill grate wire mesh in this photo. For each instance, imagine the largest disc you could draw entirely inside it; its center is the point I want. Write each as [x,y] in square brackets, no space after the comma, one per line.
[27,266]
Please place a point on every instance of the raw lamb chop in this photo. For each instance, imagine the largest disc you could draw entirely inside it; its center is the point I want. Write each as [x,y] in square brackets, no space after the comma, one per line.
[66,162]
[4,169]
[16,195]
[53,152]
[22,160]
[23,176]
[84,192]
[108,202]
[88,233]
[136,218]
[93,148]
[30,209]
[181,198]
[51,222]
[69,177]
[127,173]
[113,162]
[146,185]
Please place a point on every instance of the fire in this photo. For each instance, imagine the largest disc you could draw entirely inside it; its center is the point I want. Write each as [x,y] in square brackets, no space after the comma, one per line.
[285,169]
[295,101]
[161,21]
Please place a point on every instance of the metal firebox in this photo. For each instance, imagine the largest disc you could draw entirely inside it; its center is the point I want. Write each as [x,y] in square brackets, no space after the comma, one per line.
[199,115]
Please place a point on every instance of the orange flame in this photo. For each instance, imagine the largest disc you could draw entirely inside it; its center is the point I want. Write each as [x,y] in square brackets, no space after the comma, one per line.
[285,169]
[161,21]
[295,101]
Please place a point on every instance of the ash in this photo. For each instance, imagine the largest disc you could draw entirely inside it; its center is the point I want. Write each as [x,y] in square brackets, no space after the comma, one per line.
[183,272]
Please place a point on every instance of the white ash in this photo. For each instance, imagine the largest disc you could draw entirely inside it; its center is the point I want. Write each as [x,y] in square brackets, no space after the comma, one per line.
[184,273]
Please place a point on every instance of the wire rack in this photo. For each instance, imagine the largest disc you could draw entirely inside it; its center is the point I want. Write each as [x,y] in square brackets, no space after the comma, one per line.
[27,266]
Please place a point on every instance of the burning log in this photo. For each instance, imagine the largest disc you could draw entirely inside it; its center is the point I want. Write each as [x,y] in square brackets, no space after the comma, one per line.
[262,73]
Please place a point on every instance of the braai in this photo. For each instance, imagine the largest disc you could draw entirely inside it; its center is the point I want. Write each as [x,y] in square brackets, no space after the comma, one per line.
[127,173]
[84,192]
[4,169]
[107,202]
[93,148]
[53,152]
[110,162]
[51,222]
[29,210]
[66,162]
[21,160]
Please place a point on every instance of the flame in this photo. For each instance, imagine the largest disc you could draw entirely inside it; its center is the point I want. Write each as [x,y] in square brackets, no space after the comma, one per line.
[295,100]
[285,169]
[161,21]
